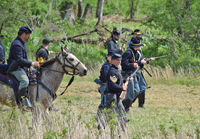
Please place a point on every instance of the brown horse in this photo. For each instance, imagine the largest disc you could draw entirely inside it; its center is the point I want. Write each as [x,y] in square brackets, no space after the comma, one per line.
[52,76]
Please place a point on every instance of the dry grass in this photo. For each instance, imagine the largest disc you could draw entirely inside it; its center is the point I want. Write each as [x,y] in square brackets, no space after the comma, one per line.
[172,111]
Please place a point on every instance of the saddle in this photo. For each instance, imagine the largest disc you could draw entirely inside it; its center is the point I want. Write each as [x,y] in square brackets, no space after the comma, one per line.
[11,81]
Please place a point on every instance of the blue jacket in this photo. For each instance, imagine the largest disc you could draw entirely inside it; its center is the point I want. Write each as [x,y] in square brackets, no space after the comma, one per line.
[114,81]
[18,51]
[42,54]
[2,52]
[104,71]
[126,64]
[114,46]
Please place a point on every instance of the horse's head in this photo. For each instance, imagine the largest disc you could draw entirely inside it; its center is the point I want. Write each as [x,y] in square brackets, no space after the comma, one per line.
[71,64]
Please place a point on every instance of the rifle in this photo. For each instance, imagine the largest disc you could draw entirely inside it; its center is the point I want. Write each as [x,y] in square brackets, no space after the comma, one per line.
[147,59]
[123,93]
[124,40]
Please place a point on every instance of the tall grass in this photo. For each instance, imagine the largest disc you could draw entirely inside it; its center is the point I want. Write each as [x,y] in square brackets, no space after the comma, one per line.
[172,110]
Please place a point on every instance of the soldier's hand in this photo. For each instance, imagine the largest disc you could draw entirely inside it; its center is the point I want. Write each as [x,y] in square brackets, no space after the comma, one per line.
[143,62]
[51,52]
[135,65]
[124,87]
[152,59]
[123,46]
[36,64]
[130,78]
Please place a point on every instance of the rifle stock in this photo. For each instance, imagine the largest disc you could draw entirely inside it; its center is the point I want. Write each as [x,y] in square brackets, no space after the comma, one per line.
[123,93]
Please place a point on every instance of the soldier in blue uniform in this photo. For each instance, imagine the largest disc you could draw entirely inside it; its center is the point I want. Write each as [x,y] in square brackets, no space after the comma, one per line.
[115,86]
[18,60]
[2,53]
[42,53]
[113,44]
[131,59]
[103,76]
[135,34]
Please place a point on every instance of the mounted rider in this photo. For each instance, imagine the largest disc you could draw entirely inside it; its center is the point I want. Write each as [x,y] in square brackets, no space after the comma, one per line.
[18,62]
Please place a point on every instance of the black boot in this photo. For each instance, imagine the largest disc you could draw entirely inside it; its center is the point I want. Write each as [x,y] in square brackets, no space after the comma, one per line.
[141,99]
[22,97]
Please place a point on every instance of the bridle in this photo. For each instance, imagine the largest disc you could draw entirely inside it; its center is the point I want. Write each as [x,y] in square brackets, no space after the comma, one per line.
[74,67]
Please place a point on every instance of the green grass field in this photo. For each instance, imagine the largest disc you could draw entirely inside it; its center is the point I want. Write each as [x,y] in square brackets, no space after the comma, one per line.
[171,111]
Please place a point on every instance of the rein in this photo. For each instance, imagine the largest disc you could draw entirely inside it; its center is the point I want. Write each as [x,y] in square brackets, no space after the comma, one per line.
[67,73]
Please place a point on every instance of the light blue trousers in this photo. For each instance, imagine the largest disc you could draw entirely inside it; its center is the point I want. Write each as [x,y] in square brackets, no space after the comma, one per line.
[135,87]
[22,78]
[102,88]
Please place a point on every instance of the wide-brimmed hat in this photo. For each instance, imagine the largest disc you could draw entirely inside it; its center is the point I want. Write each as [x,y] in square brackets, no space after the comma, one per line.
[137,31]
[136,42]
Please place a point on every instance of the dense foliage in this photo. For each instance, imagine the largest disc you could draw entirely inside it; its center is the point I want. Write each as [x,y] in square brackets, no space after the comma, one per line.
[177,20]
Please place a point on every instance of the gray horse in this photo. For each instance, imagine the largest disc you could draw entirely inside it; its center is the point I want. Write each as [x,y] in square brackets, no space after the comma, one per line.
[52,76]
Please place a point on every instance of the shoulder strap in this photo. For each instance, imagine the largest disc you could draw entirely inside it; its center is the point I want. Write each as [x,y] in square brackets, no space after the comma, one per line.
[132,54]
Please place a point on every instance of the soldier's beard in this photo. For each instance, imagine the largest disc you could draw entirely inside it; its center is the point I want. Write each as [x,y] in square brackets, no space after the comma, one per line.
[118,66]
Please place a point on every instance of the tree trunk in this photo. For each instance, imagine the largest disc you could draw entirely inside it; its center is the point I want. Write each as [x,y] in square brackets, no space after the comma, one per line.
[98,8]
[92,11]
[80,8]
[132,8]
[69,13]
[86,10]
[100,12]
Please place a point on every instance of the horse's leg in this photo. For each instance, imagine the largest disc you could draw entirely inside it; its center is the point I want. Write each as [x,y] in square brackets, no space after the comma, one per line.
[47,118]
[36,113]
[100,117]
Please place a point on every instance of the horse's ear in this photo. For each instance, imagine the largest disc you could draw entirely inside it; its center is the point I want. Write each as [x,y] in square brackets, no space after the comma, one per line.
[61,49]
[66,47]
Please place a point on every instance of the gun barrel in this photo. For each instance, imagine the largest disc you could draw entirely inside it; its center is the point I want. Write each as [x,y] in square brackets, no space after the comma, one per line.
[160,56]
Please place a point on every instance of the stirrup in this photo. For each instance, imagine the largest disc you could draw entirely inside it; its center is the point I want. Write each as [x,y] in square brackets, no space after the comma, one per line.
[27,103]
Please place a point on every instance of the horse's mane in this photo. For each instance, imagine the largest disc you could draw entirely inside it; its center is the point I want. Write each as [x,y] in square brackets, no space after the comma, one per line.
[48,62]
[52,60]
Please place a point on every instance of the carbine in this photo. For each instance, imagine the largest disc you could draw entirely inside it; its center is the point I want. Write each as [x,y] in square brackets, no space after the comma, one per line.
[123,93]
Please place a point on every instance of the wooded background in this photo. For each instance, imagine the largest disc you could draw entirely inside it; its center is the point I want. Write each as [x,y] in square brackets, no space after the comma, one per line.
[170,27]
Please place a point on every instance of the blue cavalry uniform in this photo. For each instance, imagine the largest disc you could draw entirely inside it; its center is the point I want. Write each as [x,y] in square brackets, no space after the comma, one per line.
[18,52]
[114,89]
[18,62]
[42,53]
[113,45]
[130,57]
[2,53]
[103,77]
